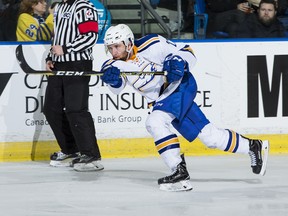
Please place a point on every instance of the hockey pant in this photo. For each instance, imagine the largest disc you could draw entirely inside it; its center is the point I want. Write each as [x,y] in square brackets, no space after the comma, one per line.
[66,109]
[159,125]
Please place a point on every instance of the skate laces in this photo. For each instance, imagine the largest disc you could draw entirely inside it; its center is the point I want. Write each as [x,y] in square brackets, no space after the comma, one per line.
[60,154]
[178,169]
[83,156]
[253,158]
[173,173]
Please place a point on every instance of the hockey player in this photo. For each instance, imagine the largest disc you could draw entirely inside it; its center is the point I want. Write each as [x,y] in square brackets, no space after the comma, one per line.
[172,98]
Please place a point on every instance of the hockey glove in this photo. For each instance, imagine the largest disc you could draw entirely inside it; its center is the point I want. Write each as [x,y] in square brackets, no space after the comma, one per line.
[174,65]
[111,76]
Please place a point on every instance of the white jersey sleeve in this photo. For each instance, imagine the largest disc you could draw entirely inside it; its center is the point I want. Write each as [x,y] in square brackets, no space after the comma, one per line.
[155,48]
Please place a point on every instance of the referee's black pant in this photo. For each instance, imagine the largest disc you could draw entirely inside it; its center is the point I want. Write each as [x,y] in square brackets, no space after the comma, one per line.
[66,110]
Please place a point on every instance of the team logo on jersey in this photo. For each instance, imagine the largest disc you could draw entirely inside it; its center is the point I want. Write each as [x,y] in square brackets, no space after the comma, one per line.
[89,14]
[66,15]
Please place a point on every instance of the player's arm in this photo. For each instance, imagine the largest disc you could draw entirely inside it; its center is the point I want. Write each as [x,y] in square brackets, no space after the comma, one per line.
[167,47]
[177,60]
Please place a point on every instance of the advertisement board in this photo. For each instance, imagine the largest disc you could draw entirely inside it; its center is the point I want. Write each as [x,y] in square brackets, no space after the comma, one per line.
[241,86]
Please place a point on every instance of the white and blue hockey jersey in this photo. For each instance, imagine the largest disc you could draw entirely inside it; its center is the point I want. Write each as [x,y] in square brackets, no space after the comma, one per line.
[149,54]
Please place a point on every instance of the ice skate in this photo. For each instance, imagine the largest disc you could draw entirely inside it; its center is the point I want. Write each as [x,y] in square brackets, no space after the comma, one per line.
[178,180]
[87,163]
[259,155]
[59,159]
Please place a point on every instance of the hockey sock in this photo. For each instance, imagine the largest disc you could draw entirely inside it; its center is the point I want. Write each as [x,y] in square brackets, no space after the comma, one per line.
[224,139]
[169,149]
[236,143]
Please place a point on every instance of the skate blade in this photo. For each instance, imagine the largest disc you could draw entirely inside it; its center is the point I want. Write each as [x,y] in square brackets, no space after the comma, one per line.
[59,164]
[179,186]
[82,167]
[265,151]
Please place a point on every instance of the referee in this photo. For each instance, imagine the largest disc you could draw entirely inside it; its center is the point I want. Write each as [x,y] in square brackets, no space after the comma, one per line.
[66,99]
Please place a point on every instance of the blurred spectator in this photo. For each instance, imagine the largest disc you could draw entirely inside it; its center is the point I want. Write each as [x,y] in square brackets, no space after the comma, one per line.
[281,6]
[187,9]
[263,24]
[8,19]
[2,6]
[188,16]
[52,7]
[226,15]
[154,3]
[32,25]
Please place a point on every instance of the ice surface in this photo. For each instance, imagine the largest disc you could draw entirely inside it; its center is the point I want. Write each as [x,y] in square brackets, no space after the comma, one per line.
[222,186]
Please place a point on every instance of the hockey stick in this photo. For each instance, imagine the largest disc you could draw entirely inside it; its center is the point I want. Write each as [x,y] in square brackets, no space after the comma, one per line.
[28,70]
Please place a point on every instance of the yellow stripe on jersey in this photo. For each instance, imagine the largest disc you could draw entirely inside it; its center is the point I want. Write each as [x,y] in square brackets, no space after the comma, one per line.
[109,62]
[188,48]
[147,43]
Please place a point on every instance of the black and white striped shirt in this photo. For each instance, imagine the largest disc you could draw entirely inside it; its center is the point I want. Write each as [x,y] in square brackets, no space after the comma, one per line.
[75,29]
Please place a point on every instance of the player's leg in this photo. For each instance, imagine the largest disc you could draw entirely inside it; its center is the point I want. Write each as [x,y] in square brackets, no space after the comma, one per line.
[54,112]
[158,125]
[230,141]
[76,91]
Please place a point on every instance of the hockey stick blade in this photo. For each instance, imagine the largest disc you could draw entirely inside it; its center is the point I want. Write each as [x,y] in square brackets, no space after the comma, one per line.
[28,70]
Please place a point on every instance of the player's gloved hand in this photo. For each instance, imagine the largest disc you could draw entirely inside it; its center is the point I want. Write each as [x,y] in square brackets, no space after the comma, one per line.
[111,76]
[174,65]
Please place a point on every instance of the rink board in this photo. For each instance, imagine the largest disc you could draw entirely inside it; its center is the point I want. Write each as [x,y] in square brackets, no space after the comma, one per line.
[241,86]
[125,148]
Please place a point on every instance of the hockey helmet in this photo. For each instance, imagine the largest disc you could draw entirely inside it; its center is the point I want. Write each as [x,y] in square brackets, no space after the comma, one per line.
[117,34]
